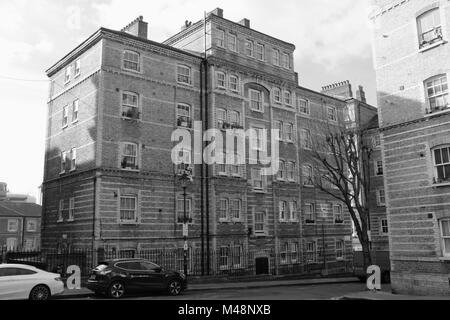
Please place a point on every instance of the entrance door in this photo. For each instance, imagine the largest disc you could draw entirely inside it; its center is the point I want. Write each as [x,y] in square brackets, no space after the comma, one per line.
[262,265]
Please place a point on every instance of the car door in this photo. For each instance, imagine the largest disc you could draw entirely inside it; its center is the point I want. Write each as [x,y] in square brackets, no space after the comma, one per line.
[136,276]
[15,283]
[154,278]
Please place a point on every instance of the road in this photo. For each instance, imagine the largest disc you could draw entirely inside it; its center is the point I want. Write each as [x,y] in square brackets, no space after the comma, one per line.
[299,292]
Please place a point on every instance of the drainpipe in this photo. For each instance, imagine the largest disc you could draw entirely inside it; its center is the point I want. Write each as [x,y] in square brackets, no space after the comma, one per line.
[202,209]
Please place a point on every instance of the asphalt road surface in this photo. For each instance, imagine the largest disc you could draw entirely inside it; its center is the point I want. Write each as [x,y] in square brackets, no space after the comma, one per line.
[304,292]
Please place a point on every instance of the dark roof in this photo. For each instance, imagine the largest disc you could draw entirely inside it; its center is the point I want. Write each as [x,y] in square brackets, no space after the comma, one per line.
[373,123]
[19,209]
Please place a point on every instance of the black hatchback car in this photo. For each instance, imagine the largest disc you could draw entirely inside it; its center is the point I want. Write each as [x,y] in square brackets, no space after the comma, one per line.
[121,276]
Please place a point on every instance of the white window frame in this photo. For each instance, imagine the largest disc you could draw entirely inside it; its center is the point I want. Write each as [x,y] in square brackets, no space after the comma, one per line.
[233,210]
[379,202]
[221,210]
[332,116]
[384,225]
[73,159]
[279,125]
[249,48]
[236,249]
[308,179]
[312,213]
[123,146]
[295,252]
[125,60]
[378,167]
[285,60]
[290,170]
[293,216]
[221,80]
[442,94]
[9,244]
[222,118]
[188,120]
[63,162]
[276,57]
[338,214]
[262,223]
[65,117]
[220,39]
[258,102]
[289,134]
[436,29]
[234,117]
[340,249]
[77,68]
[184,78]
[127,107]
[445,250]
[35,225]
[75,110]
[234,85]
[284,251]
[224,256]
[71,210]
[180,209]
[262,179]
[277,95]
[68,74]
[311,250]
[442,164]
[306,106]
[288,97]
[259,52]
[135,218]
[281,170]
[13,225]
[232,42]
[283,208]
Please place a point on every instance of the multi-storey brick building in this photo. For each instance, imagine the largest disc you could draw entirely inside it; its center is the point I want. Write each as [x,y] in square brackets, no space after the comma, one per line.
[412,60]
[109,178]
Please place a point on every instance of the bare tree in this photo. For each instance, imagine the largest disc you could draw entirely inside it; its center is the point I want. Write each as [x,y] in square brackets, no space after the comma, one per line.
[341,172]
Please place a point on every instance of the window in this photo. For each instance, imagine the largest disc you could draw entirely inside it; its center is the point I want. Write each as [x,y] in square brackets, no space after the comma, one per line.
[429,28]
[221,82]
[184,116]
[235,118]
[445,234]
[291,171]
[73,159]
[235,209]
[376,141]
[130,107]
[220,40]
[284,253]
[310,214]
[128,209]
[129,159]
[305,136]
[442,164]
[303,106]
[184,74]
[63,161]
[258,140]
[237,256]
[256,100]
[71,209]
[234,168]
[293,211]
[259,51]
[13,225]
[221,119]
[311,252]
[60,210]
[287,98]
[232,42]
[131,61]
[75,107]
[294,252]
[339,249]
[11,244]
[384,226]
[234,83]
[65,117]
[77,68]
[331,114]
[285,60]
[260,224]
[223,257]
[337,213]
[276,57]
[180,210]
[277,95]
[437,93]
[249,48]
[379,167]
[288,132]
[68,74]
[281,170]
[278,125]
[223,209]
[31,225]
[381,198]
[307,173]
[283,211]
[258,180]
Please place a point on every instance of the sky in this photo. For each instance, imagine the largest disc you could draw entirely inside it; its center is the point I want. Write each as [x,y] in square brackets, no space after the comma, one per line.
[332,39]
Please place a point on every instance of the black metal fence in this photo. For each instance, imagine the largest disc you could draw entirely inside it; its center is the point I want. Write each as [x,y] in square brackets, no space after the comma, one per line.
[227,264]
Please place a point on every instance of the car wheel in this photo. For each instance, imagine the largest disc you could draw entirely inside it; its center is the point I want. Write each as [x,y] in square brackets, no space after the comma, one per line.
[116,290]
[40,292]
[174,287]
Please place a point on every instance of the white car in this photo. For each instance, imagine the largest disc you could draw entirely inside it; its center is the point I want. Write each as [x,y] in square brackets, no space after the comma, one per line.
[20,281]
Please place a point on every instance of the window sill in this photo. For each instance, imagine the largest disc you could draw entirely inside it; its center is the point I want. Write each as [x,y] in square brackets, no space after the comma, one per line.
[444,258]
[431,46]
[60,221]
[259,191]
[131,119]
[428,115]
[65,127]
[308,186]
[256,110]
[71,220]
[129,223]
[75,121]
[131,70]
[260,235]
[130,170]
[77,75]
[441,184]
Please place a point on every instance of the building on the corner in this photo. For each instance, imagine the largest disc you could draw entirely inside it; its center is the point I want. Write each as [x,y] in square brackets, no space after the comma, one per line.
[412,62]
[109,180]
[20,226]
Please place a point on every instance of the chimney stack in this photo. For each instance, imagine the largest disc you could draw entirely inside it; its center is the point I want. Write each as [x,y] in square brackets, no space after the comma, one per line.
[341,90]
[245,22]
[361,95]
[218,12]
[3,191]
[137,28]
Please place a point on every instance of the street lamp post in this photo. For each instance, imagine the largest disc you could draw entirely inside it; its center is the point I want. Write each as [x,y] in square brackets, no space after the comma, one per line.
[185,176]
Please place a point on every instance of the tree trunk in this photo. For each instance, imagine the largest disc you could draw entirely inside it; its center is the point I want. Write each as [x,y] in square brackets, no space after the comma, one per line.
[367,257]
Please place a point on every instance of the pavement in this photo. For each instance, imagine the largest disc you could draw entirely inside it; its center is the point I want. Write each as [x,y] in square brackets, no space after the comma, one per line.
[84,292]
[384,295]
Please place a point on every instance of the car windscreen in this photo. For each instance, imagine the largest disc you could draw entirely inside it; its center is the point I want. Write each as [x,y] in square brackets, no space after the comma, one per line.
[101,266]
